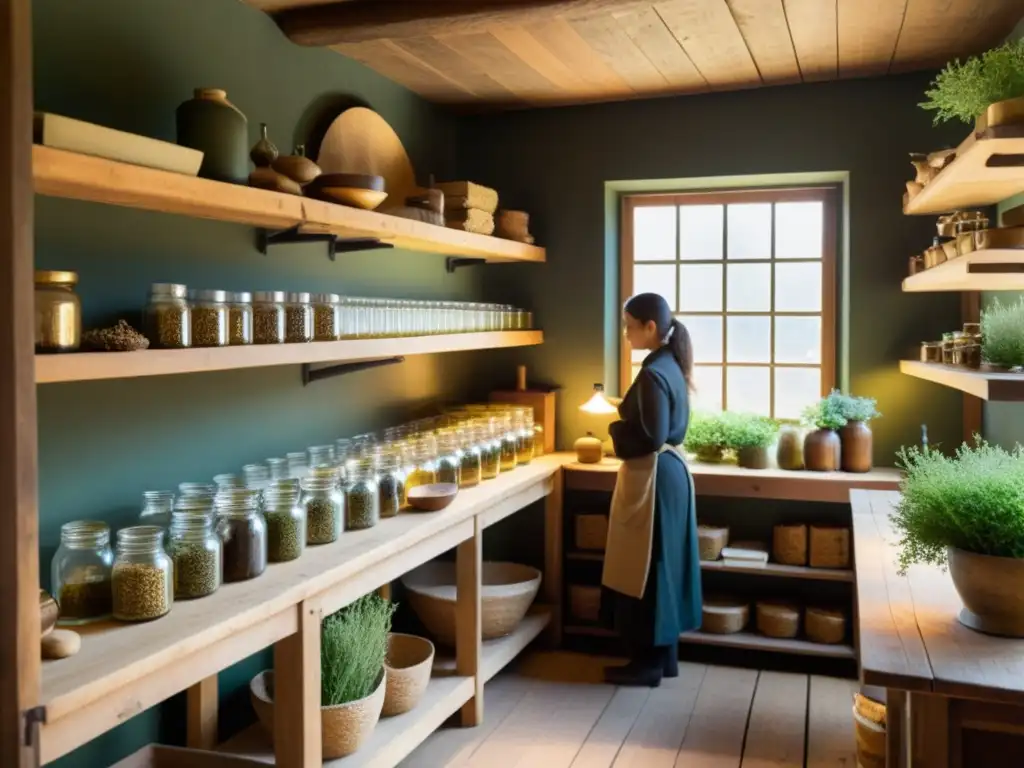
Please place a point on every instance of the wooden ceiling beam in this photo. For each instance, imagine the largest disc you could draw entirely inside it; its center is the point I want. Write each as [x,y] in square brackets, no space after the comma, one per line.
[360,21]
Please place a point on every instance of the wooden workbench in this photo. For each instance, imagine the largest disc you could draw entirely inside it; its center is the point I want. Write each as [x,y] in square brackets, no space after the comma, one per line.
[955,696]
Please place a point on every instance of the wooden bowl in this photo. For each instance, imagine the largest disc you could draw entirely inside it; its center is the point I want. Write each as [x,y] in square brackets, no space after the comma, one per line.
[350,180]
[367,199]
[431,498]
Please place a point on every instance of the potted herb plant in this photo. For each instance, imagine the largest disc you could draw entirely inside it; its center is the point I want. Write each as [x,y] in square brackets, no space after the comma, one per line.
[1002,334]
[967,512]
[706,437]
[855,437]
[750,435]
[353,648]
[965,91]
[822,446]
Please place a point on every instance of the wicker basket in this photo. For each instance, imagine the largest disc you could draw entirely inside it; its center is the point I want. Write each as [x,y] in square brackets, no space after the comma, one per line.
[591,531]
[869,708]
[870,741]
[343,728]
[470,220]
[789,544]
[723,616]
[825,626]
[585,602]
[778,619]
[466,194]
[712,539]
[830,547]
[507,592]
[408,665]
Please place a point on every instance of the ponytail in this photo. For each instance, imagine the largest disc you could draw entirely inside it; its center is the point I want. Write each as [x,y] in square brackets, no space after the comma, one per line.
[678,341]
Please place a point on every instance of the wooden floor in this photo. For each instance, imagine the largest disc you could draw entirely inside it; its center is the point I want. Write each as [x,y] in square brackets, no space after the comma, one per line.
[552,713]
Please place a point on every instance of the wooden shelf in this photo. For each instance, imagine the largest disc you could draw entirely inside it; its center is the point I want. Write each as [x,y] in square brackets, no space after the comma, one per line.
[578,554]
[988,385]
[496,654]
[768,569]
[998,269]
[983,173]
[589,630]
[750,642]
[83,177]
[87,366]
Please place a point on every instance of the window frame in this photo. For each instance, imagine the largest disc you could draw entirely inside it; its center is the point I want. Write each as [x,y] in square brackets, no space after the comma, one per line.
[828,195]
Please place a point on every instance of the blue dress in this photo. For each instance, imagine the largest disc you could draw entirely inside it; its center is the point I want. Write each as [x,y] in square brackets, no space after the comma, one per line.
[656,411]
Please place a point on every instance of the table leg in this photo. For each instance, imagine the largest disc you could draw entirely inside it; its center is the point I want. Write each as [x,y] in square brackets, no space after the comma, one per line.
[929,731]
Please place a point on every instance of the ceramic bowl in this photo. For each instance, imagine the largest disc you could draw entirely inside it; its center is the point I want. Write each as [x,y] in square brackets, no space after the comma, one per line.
[431,498]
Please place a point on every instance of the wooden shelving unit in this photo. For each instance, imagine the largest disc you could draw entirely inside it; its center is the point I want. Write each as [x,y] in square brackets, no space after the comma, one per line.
[1000,269]
[988,385]
[82,177]
[768,569]
[750,642]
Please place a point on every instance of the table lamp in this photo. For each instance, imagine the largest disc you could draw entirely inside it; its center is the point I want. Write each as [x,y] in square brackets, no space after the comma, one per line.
[590,448]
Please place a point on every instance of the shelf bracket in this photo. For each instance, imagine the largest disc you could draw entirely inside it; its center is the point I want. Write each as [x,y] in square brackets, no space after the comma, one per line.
[335,244]
[310,374]
[452,263]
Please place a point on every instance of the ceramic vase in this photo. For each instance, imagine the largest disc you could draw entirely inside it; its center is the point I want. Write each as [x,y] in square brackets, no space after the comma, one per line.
[856,450]
[821,450]
[752,458]
[264,152]
[789,453]
[991,589]
[216,127]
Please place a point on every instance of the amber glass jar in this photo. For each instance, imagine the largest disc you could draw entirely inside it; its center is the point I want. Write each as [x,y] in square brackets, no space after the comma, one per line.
[58,311]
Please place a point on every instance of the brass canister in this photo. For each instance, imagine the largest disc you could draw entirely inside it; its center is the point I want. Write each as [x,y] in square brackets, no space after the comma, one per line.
[58,311]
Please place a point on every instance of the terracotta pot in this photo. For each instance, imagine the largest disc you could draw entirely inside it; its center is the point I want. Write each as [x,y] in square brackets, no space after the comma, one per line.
[752,458]
[855,439]
[992,590]
[821,450]
[714,454]
[789,453]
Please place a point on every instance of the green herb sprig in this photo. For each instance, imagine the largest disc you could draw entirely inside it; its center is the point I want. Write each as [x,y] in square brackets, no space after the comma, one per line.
[353,647]
[963,91]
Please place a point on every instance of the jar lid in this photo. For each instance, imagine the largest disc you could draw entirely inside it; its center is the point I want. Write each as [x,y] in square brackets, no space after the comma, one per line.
[55,277]
[241,297]
[206,295]
[298,298]
[326,298]
[174,290]
[268,297]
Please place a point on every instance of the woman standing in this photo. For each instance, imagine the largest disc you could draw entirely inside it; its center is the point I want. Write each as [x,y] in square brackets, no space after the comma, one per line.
[651,567]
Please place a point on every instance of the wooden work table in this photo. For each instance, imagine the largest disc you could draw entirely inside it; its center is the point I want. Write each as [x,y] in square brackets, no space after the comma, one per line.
[955,696]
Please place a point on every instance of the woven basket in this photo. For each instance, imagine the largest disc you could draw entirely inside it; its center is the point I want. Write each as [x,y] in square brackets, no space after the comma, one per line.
[869,708]
[870,741]
[467,194]
[711,540]
[824,626]
[343,728]
[722,616]
[470,220]
[789,544]
[778,619]
[408,665]
[585,602]
[591,531]
[507,592]
[830,547]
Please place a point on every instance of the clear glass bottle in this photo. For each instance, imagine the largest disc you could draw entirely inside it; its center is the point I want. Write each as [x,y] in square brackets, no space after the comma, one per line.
[362,495]
[489,439]
[156,509]
[390,483]
[324,504]
[244,532]
[142,576]
[240,318]
[298,464]
[209,318]
[195,549]
[326,316]
[298,318]
[470,472]
[449,458]
[268,317]
[80,572]
[168,316]
[286,523]
[278,468]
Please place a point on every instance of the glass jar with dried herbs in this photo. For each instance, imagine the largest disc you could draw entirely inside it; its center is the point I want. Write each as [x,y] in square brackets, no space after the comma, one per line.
[298,318]
[156,508]
[322,456]
[390,482]
[268,317]
[522,424]
[362,495]
[286,523]
[298,464]
[449,457]
[142,576]
[509,440]
[80,572]
[488,438]
[244,532]
[240,318]
[471,469]
[209,318]
[168,316]
[195,548]
[324,504]
[278,468]
[326,316]
[423,463]
[257,476]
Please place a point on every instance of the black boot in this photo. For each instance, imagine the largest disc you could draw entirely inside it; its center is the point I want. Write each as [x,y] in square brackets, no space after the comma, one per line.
[670,664]
[643,671]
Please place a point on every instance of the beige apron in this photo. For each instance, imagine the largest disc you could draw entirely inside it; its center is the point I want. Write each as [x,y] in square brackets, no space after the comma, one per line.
[627,557]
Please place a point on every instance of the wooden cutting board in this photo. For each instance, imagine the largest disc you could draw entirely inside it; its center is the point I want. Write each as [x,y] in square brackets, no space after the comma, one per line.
[361,141]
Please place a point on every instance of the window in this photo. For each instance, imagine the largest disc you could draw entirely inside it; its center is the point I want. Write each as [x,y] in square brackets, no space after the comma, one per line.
[751,274]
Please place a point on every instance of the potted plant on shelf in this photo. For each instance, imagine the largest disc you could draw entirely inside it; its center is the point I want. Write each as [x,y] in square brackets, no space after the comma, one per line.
[706,437]
[789,451]
[822,445]
[353,648]
[984,90]
[855,436]
[967,512]
[750,435]
[1002,334]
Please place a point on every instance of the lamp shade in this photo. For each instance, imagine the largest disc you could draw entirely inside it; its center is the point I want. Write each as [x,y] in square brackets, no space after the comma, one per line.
[598,404]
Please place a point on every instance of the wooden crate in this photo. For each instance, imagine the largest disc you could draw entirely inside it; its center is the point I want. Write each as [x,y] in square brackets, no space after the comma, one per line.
[591,532]
[585,602]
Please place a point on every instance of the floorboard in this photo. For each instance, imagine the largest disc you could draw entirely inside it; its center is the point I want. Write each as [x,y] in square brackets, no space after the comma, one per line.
[830,736]
[775,731]
[605,740]
[719,722]
[654,739]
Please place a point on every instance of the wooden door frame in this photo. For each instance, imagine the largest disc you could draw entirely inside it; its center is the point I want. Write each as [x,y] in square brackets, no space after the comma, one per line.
[19,537]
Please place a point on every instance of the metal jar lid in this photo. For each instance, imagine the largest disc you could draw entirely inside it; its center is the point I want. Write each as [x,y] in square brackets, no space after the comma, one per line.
[298,298]
[172,290]
[326,298]
[240,297]
[55,277]
[218,297]
[268,297]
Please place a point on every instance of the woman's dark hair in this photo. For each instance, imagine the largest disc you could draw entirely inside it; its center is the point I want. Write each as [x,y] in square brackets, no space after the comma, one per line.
[648,307]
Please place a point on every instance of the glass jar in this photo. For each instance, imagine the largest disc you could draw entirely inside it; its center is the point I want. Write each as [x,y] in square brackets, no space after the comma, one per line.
[286,523]
[322,456]
[257,476]
[58,312]
[298,464]
[324,504]
[278,468]
[326,316]
[197,489]
[948,343]
[156,509]
[423,464]
[268,317]
[472,458]
[240,318]
[141,579]
[489,440]
[390,484]
[298,319]
[168,316]
[244,533]
[195,549]
[80,572]
[931,351]
[209,318]
[509,440]
[449,458]
[227,481]
[362,495]
[522,424]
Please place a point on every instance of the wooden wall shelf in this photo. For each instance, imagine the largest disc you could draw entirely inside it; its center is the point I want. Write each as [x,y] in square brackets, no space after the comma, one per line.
[82,177]
[87,366]
[989,270]
[768,569]
[989,168]
[988,385]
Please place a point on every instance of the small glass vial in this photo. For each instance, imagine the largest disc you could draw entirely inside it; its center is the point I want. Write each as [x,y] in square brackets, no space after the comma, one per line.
[196,550]
[142,575]
[168,316]
[286,523]
[298,319]
[156,509]
[324,504]
[449,458]
[362,495]
[209,318]
[240,318]
[80,572]
[278,468]
[390,484]
[244,533]
[268,317]
[326,316]
[298,464]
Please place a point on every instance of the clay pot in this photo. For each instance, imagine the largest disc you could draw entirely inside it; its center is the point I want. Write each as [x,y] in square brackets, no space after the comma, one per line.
[992,590]
[789,453]
[588,449]
[263,152]
[217,128]
[752,458]
[821,450]
[855,439]
[714,454]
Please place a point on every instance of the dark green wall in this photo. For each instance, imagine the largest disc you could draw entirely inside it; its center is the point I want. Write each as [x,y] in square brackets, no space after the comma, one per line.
[555,163]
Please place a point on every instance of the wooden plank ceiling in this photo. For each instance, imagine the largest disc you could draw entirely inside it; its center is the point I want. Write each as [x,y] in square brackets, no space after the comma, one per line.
[522,53]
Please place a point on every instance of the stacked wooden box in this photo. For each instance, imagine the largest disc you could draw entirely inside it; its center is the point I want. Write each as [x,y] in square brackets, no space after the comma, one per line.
[469,206]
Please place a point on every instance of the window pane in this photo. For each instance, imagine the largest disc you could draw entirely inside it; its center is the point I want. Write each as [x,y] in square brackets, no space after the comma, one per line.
[798,287]
[749,288]
[700,232]
[797,339]
[795,389]
[708,380]
[700,287]
[656,278]
[635,371]
[750,231]
[798,230]
[638,355]
[654,233]
[706,336]
[749,339]
[747,389]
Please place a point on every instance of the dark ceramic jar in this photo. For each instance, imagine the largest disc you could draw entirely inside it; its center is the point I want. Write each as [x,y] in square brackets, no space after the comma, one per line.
[212,124]
[822,451]
[856,450]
